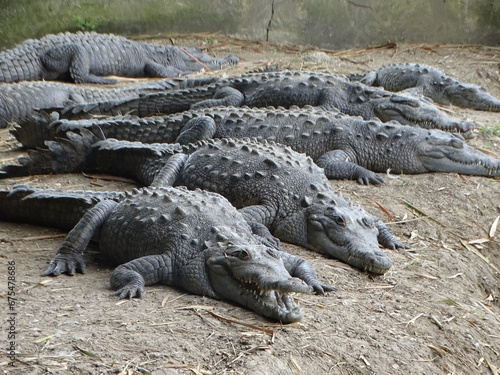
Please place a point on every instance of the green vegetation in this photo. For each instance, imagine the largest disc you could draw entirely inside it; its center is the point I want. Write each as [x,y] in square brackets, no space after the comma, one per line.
[324,23]
[84,23]
[124,17]
[491,129]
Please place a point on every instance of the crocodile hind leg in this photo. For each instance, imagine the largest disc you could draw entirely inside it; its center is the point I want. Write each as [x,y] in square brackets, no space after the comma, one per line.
[170,171]
[69,258]
[197,129]
[225,96]
[73,59]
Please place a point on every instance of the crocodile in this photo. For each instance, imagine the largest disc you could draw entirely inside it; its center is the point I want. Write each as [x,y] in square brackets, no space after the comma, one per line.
[19,101]
[284,88]
[431,83]
[269,183]
[86,57]
[346,147]
[191,239]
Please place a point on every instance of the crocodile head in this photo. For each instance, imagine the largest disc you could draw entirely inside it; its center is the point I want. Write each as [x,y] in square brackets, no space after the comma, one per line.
[330,225]
[446,152]
[255,276]
[469,96]
[408,110]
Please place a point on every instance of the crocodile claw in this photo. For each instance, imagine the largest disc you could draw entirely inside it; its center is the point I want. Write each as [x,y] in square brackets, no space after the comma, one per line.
[320,288]
[129,291]
[65,263]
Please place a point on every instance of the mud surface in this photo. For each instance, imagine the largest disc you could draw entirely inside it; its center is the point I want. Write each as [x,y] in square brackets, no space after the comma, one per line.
[436,311]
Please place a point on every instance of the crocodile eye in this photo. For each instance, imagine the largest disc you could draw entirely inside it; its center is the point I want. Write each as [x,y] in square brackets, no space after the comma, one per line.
[340,220]
[404,101]
[368,222]
[456,143]
[240,254]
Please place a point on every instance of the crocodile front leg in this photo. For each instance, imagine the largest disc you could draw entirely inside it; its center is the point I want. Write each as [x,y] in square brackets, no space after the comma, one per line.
[69,258]
[338,167]
[259,214]
[260,218]
[130,278]
[264,236]
[386,239]
[298,267]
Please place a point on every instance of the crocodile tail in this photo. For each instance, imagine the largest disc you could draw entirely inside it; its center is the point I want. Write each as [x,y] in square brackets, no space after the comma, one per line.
[265,69]
[50,208]
[63,155]
[187,83]
[355,77]
[32,132]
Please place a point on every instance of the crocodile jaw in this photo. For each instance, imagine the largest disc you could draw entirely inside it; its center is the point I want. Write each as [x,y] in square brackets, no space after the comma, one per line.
[365,255]
[255,276]
[408,111]
[348,234]
[442,152]
[471,96]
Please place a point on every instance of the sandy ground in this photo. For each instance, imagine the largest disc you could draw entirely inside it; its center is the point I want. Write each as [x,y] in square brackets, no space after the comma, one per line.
[436,311]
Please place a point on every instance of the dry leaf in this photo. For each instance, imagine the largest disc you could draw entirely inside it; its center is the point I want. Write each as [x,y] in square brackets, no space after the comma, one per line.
[164,300]
[87,353]
[426,276]
[493,228]
[471,249]
[43,339]
[439,350]
[479,241]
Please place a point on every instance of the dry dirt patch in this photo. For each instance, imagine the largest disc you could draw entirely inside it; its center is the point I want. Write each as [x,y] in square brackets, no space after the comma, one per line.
[436,311]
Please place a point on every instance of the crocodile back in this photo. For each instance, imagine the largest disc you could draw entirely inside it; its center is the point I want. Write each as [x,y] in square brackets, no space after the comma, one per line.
[169,220]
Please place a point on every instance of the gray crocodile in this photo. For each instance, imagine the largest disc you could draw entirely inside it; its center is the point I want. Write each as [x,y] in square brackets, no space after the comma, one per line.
[87,57]
[346,147]
[191,239]
[431,83]
[19,101]
[271,184]
[284,88]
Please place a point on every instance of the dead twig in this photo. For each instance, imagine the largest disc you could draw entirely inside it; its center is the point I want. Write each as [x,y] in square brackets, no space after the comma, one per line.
[195,59]
[384,210]
[41,237]
[420,212]
[249,325]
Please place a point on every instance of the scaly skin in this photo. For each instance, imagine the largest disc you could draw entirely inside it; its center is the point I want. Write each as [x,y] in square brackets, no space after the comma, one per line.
[432,83]
[346,147]
[19,101]
[271,185]
[285,88]
[88,57]
[172,236]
